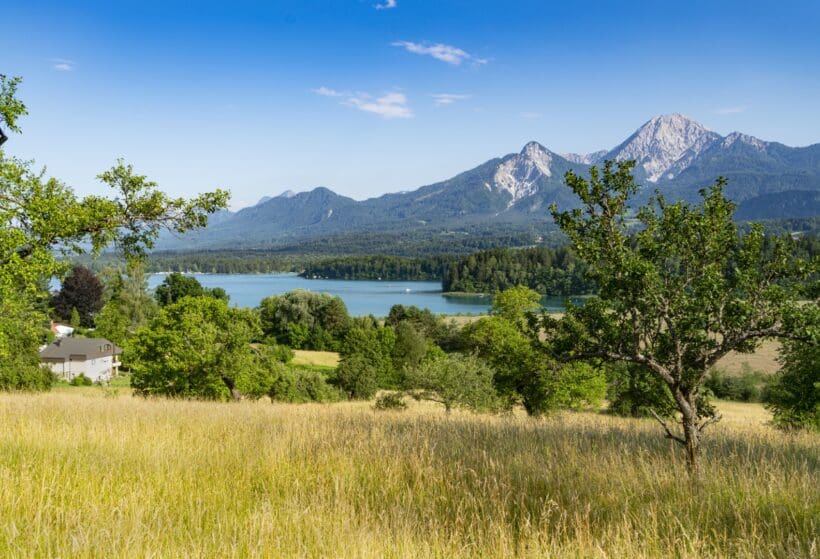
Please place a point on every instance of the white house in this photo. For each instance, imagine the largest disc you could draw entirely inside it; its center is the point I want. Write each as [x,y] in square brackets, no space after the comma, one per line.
[97,358]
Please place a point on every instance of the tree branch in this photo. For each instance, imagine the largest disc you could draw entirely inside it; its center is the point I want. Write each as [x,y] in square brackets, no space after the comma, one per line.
[712,420]
[669,433]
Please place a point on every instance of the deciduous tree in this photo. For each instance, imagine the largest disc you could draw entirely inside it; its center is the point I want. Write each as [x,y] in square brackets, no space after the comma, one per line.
[82,291]
[676,294]
[41,218]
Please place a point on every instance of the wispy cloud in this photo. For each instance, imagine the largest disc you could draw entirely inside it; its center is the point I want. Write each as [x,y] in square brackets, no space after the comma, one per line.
[444,99]
[530,116]
[445,53]
[62,64]
[731,110]
[327,92]
[386,5]
[389,105]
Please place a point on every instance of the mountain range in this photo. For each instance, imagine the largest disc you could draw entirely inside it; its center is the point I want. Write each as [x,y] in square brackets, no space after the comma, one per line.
[674,155]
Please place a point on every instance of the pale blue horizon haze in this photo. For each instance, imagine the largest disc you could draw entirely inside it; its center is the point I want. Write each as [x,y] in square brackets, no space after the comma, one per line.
[367,97]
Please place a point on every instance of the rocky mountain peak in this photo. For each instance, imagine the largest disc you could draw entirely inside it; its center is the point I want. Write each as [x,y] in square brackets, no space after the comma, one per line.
[745,139]
[585,158]
[665,145]
[517,174]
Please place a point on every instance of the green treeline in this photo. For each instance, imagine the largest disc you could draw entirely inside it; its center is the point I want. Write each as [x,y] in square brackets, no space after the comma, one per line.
[378,267]
[547,271]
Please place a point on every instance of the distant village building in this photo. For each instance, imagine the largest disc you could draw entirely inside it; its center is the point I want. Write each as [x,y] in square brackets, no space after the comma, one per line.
[61,330]
[96,358]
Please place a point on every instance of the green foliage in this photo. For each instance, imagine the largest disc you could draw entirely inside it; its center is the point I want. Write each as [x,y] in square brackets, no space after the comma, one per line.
[199,348]
[128,306]
[21,332]
[746,386]
[508,348]
[74,318]
[516,302]
[794,394]
[81,380]
[81,292]
[676,295]
[43,219]
[371,350]
[175,286]
[112,323]
[390,401]
[298,385]
[634,390]
[377,267]
[11,108]
[429,325]
[305,320]
[409,349]
[454,381]
[357,377]
[577,386]
[547,271]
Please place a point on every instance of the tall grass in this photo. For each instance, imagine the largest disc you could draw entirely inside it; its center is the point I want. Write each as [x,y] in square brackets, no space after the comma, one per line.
[82,475]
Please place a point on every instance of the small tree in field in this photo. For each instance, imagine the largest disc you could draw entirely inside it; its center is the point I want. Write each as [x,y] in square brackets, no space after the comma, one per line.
[677,295]
[454,381]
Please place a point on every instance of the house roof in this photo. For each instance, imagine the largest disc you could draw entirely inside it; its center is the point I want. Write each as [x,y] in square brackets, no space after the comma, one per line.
[89,348]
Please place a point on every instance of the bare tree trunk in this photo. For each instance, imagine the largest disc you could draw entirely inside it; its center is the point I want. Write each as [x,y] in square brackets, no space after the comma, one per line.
[691,434]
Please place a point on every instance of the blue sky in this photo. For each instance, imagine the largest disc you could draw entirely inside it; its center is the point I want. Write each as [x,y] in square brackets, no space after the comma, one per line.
[374,96]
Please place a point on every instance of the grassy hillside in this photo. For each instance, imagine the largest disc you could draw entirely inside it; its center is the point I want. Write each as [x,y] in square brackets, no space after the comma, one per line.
[83,474]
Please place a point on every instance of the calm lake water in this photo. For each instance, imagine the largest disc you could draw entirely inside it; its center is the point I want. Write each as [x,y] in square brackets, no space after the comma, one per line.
[361,297]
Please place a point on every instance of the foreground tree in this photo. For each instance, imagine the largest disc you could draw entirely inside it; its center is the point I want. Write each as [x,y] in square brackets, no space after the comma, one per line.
[81,291]
[41,217]
[199,348]
[675,296]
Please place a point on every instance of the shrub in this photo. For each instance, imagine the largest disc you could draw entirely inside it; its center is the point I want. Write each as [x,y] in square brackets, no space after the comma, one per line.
[299,386]
[794,393]
[81,380]
[393,401]
[578,386]
[747,386]
[357,377]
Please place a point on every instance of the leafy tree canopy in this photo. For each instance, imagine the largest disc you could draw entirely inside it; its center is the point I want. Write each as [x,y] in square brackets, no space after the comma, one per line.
[198,347]
[82,291]
[42,217]
[175,286]
[676,294]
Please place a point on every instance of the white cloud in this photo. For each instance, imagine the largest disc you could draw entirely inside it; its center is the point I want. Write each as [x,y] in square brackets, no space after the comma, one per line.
[326,92]
[530,116]
[386,5]
[731,110]
[389,105]
[62,65]
[445,53]
[444,99]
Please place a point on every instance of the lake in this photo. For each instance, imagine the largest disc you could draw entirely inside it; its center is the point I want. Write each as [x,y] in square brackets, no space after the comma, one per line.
[361,297]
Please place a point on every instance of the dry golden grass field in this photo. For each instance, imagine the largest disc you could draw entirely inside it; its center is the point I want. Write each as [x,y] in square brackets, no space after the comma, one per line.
[90,473]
